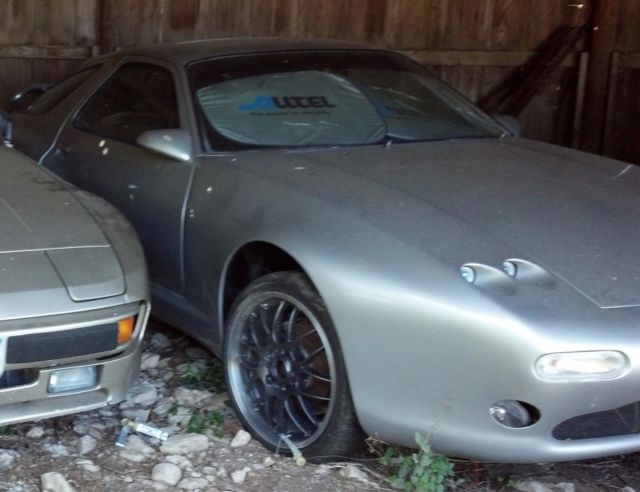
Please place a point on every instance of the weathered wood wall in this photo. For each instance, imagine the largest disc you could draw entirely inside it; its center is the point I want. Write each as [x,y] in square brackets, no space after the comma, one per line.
[473,44]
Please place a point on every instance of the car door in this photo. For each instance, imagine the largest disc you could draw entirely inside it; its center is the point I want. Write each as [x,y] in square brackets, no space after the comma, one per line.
[97,151]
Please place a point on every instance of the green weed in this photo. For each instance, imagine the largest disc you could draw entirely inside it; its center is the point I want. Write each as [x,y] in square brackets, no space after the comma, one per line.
[422,471]
[203,421]
[210,377]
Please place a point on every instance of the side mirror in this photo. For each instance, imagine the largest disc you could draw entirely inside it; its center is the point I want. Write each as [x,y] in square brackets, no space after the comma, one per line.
[6,129]
[22,99]
[509,123]
[175,143]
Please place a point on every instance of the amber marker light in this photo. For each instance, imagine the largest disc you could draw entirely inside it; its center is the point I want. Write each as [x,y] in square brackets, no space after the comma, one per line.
[125,329]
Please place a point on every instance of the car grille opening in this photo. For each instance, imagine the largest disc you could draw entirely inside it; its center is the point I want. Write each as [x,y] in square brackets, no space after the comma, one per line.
[617,422]
[57,345]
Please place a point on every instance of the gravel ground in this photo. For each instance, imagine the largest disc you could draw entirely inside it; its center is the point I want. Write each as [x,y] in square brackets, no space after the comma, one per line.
[181,392]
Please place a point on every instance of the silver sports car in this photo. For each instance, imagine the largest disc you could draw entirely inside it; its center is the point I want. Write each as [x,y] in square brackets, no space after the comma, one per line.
[73,296]
[365,249]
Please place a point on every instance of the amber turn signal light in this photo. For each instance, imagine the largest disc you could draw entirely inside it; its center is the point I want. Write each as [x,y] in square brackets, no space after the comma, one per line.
[125,329]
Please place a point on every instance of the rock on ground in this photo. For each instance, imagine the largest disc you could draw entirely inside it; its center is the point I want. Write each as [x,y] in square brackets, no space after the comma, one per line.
[185,443]
[55,482]
[167,473]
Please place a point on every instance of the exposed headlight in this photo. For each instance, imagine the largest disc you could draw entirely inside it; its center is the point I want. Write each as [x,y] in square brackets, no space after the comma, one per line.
[510,268]
[468,273]
[581,366]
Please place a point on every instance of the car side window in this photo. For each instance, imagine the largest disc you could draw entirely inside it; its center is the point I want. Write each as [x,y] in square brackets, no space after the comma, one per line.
[136,98]
[59,92]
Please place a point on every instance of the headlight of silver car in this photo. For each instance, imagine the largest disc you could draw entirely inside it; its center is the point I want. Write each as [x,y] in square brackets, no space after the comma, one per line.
[581,366]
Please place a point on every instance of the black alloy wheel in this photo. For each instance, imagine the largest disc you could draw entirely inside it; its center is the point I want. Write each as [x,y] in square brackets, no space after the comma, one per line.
[285,372]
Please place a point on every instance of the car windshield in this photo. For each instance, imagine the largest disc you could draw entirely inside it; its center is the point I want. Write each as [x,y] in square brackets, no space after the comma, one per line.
[328,98]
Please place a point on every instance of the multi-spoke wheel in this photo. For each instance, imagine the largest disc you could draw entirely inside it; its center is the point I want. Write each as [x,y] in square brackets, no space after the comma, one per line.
[284,368]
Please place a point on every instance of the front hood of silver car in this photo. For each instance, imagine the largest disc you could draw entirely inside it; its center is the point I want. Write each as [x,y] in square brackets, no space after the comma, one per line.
[51,249]
[573,213]
[37,212]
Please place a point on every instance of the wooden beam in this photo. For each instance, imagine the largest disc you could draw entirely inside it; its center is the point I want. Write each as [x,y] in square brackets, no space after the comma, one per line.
[630,61]
[45,52]
[469,58]
[614,69]
[602,44]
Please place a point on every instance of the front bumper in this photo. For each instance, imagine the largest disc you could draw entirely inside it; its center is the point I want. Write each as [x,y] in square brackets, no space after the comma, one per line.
[24,386]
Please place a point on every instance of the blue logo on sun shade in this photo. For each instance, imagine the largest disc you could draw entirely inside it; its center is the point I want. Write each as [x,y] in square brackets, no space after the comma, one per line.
[287,102]
[261,102]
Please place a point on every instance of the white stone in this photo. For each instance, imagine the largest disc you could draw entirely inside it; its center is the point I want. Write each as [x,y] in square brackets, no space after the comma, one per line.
[163,407]
[86,444]
[535,486]
[268,461]
[167,473]
[354,473]
[56,450]
[178,460]
[194,484]
[136,450]
[181,417]
[88,465]
[190,397]
[36,432]
[133,456]
[55,482]
[242,438]
[7,459]
[239,476]
[144,394]
[160,341]
[136,443]
[565,487]
[149,361]
[137,414]
[185,443]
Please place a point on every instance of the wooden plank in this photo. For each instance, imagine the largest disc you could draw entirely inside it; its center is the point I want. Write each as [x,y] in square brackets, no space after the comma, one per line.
[581,87]
[45,52]
[614,69]
[62,22]
[627,31]
[179,20]
[468,25]
[87,23]
[472,58]
[603,34]
[630,60]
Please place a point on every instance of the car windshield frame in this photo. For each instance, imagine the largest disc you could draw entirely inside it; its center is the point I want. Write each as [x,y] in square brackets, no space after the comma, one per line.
[208,72]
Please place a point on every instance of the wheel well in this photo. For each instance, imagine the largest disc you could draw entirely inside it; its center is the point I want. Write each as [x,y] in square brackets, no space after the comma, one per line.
[250,262]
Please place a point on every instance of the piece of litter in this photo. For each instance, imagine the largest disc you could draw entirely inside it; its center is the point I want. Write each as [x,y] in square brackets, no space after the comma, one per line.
[140,428]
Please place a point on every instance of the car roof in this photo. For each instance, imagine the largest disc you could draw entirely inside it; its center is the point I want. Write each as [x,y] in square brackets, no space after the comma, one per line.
[186,52]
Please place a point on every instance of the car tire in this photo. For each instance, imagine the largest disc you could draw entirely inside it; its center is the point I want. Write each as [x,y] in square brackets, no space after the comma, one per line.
[285,372]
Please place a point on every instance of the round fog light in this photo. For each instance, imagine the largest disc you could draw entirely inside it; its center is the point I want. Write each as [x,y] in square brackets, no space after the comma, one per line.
[511,413]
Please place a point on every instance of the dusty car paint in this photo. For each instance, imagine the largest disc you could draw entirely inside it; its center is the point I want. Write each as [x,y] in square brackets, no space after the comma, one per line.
[382,231]
[71,268]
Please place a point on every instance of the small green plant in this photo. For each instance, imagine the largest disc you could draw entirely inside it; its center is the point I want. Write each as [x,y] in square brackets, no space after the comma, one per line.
[8,430]
[422,471]
[203,421]
[209,377]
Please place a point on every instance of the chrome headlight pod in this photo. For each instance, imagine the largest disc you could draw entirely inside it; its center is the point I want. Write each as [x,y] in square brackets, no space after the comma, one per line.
[581,366]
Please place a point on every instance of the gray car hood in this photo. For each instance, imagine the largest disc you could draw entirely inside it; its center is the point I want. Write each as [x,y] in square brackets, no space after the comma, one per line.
[573,213]
[48,242]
